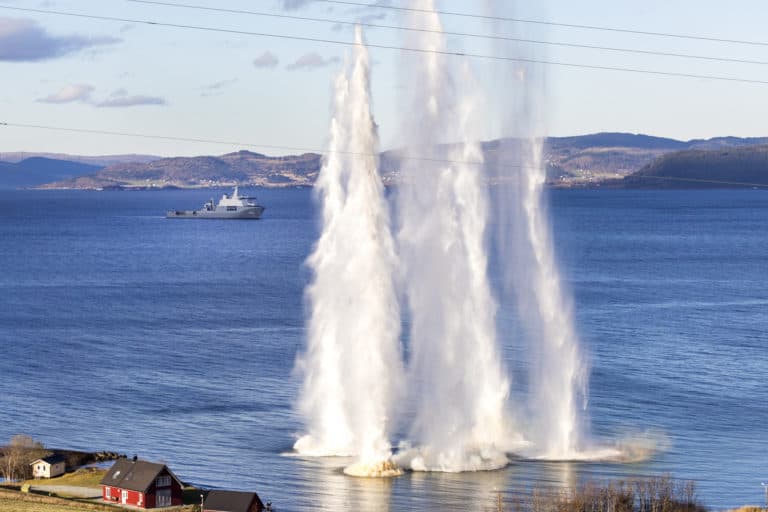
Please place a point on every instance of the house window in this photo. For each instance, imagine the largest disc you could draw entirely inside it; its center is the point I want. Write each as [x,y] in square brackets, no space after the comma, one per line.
[164,498]
[164,481]
[107,492]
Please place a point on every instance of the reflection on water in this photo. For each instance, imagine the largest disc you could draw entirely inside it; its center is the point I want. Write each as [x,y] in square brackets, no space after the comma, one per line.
[331,489]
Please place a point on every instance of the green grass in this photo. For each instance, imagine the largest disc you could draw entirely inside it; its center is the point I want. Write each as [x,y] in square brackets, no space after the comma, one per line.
[14,501]
[85,477]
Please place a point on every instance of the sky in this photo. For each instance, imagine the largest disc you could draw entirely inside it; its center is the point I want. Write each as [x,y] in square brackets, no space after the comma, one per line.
[273,94]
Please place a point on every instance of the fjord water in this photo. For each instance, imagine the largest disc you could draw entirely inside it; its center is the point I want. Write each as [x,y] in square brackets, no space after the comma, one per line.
[176,340]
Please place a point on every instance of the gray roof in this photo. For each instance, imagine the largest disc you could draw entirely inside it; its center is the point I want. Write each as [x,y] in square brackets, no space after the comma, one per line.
[134,475]
[51,459]
[230,501]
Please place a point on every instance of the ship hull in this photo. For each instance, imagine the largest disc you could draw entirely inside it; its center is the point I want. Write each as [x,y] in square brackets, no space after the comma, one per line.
[253,213]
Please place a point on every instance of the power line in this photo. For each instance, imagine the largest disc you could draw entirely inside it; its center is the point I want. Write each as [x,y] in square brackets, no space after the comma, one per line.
[550,23]
[450,33]
[400,48]
[327,152]
[697,180]
[232,143]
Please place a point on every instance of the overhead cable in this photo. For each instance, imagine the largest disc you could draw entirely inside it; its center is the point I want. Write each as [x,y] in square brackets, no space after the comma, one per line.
[549,23]
[399,48]
[450,33]
[326,152]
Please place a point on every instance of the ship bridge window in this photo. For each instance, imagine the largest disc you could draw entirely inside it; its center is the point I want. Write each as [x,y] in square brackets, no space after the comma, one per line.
[231,208]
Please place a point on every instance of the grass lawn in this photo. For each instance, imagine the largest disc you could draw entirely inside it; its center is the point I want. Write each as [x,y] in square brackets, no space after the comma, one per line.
[14,501]
[85,477]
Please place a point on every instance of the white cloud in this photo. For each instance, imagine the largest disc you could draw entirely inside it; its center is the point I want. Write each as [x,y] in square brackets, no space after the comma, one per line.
[121,98]
[266,60]
[118,98]
[312,60]
[24,40]
[290,5]
[70,93]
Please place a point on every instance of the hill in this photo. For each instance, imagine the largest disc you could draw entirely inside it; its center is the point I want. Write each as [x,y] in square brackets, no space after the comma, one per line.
[726,142]
[38,170]
[242,167]
[569,160]
[742,166]
[100,161]
[605,158]
[578,161]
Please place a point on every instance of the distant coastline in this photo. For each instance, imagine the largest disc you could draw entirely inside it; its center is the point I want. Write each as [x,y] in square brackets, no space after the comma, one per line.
[604,160]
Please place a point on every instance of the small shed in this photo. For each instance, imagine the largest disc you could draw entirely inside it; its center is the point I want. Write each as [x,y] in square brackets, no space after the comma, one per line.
[49,467]
[141,484]
[232,501]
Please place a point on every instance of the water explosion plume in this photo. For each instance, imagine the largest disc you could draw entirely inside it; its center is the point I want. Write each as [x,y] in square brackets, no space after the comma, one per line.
[352,366]
[558,369]
[559,372]
[459,388]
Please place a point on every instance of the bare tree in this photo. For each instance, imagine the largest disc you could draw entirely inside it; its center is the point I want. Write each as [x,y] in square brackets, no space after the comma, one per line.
[20,451]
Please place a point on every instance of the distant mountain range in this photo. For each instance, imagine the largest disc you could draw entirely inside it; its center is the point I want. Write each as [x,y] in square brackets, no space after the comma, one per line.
[240,168]
[603,159]
[592,160]
[100,161]
[745,166]
[38,171]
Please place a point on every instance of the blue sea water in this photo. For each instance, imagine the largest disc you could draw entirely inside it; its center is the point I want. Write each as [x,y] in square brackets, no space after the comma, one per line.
[176,340]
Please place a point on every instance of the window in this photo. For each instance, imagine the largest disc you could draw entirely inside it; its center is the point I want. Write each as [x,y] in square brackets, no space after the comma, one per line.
[231,208]
[164,498]
[107,492]
[164,481]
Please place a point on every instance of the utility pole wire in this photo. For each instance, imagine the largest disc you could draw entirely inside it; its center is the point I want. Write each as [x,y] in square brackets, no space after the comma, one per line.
[551,23]
[450,33]
[399,48]
[505,164]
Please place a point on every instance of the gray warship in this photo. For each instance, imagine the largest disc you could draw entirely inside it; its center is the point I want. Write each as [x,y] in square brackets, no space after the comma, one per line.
[233,206]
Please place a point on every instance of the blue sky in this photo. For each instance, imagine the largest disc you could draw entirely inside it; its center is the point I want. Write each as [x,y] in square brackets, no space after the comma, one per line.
[132,77]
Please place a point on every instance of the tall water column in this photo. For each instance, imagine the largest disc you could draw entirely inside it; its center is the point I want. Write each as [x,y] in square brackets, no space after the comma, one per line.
[352,366]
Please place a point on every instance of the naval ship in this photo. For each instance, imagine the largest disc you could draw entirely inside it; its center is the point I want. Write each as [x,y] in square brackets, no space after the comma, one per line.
[233,206]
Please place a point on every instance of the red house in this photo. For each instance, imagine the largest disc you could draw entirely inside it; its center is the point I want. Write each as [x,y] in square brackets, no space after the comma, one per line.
[141,484]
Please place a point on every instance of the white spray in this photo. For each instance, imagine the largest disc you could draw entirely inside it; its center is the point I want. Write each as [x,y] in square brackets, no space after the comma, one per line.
[557,366]
[458,383]
[559,375]
[352,367]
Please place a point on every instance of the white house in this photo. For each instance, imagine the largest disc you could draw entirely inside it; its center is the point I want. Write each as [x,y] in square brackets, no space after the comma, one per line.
[48,467]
